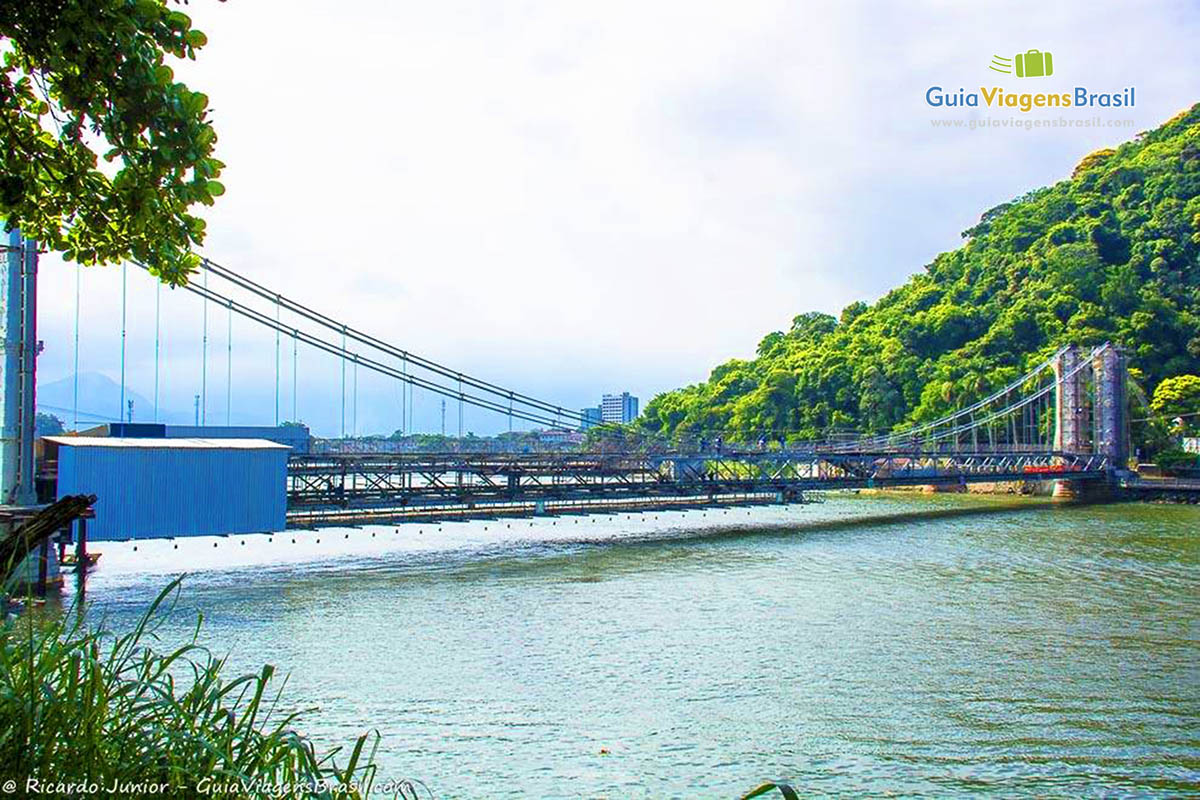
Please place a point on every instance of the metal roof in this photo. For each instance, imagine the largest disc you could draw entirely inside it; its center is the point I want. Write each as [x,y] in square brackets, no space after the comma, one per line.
[166,444]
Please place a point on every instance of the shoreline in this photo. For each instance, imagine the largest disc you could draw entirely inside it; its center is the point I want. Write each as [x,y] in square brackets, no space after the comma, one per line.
[1045,490]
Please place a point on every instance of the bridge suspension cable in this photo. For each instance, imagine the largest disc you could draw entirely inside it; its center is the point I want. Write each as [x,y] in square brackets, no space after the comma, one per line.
[157,342]
[204,362]
[75,378]
[1012,414]
[965,420]
[121,407]
[374,342]
[498,405]
[229,366]
[971,409]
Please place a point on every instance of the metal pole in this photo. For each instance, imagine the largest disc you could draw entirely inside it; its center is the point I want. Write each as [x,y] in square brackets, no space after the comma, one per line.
[121,406]
[354,418]
[276,360]
[81,555]
[157,341]
[27,493]
[229,366]
[343,381]
[295,334]
[204,356]
[43,564]
[75,379]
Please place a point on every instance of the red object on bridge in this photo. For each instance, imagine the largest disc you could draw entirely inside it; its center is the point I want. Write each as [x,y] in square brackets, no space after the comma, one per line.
[1052,469]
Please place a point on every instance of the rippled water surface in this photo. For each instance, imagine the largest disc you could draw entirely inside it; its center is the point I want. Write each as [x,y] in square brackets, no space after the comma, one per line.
[913,645]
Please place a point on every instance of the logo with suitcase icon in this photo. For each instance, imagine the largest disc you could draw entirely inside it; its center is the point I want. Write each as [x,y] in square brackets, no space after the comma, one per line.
[1030,64]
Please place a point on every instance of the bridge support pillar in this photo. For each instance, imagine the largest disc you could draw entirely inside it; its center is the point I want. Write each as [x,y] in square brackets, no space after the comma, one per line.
[688,469]
[789,496]
[1067,490]
[1094,491]
[18,382]
[539,508]
[1070,426]
[1112,429]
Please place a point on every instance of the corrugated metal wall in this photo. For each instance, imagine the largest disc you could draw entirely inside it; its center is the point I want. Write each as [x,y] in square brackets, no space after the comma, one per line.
[152,492]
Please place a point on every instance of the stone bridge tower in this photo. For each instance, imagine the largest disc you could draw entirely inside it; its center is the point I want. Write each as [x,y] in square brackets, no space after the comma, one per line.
[1070,403]
[1090,403]
[1111,437]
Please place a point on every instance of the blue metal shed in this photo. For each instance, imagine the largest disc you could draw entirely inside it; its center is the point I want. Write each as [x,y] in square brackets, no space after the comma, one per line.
[154,488]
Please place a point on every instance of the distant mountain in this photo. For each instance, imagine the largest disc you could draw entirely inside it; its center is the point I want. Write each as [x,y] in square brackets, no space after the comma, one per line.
[99,401]
[1112,253]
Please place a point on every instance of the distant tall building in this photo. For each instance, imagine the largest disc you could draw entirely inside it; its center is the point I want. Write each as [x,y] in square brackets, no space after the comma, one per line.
[590,416]
[621,407]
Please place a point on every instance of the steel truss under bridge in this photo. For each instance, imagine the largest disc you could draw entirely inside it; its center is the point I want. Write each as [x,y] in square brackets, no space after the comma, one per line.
[434,484]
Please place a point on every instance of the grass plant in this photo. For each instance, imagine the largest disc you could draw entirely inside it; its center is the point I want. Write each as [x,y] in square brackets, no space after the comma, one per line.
[84,710]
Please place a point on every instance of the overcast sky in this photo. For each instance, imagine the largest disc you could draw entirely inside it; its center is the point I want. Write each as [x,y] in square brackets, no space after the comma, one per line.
[576,198]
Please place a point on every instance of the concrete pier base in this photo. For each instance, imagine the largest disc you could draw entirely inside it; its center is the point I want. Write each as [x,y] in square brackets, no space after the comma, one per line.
[38,573]
[944,488]
[1083,491]
[1066,490]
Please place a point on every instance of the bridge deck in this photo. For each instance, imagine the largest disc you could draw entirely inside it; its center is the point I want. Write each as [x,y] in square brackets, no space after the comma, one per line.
[430,484]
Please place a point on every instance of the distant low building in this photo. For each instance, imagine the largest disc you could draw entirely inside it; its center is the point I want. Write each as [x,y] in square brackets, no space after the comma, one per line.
[622,408]
[296,437]
[557,437]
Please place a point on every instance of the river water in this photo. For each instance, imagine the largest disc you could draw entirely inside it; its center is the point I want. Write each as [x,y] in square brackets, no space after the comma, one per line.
[867,645]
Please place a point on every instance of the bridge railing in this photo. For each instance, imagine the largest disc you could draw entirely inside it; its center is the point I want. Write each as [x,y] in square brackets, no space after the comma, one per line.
[716,450]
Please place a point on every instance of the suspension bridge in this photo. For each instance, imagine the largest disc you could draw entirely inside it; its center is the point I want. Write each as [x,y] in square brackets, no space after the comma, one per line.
[1064,420]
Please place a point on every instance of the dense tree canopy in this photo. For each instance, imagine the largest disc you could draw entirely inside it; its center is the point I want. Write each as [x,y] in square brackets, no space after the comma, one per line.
[88,79]
[1113,253]
[48,424]
[1179,398]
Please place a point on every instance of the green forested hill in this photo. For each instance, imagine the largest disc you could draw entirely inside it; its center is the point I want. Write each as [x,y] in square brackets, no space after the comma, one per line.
[1113,253]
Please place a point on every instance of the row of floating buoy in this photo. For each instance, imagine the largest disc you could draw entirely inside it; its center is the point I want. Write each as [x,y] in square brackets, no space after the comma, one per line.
[420,531]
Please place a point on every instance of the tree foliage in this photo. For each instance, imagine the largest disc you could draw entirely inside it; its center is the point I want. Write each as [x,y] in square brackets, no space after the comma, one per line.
[1113,253]
[1179,398]
[48,424]
[85,80]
